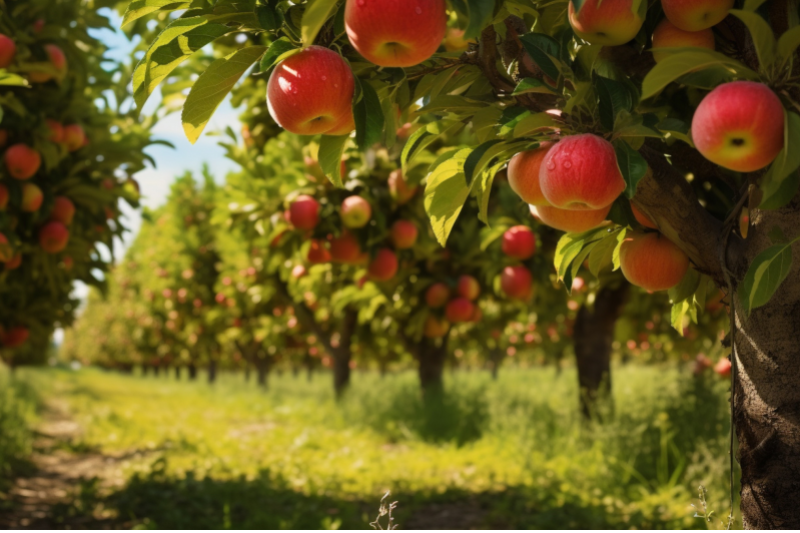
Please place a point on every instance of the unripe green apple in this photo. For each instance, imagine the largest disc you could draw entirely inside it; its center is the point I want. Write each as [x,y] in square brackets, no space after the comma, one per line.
[607,22]
[516,282]
[523,174]
[667,35]
[22,161]
[53,237]
[356,212]
[8,50]
[696,15]
[404,234]
[304,212]
[395,33]
[570,221]
[651,261]
[519,242]
[384,266]
[437,295]
[32,198]
[468,287]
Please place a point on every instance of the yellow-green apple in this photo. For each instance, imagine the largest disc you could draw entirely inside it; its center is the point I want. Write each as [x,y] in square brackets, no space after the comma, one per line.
[53,237]
[519,242]
[723,368]
[581,172]
[74,137]
[311,92]
[356,212]
[516,282]
[22,161]
[32,198]
[641,218]
[607,22]
[523,174]
[384,266]
[6,251]
[436,327]
[651,261]
[7,50]
[667,35]
[468,287]
[570,221]
[739,126]
[696,15]
[14,337]
[304,212]
[56,131]
[3,197]
[404,234]
[63,210]
[459,310]
[317,253]
[345,249]
[14,263]
[399,189]
[59,62]
[454,40]
[395,33]
[437,295]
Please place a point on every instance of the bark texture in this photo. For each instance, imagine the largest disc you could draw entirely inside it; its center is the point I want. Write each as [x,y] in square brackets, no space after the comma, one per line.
[432,354]
[342,353]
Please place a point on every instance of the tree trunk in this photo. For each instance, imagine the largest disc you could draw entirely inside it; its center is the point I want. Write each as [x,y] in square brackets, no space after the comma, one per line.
[342,353]
[145,368]
[432,354]
[212,371]
[496,359]
[593,336]
[262,368]
[192,371]
[383,366]
[177,373]
[247,372]
[295,371]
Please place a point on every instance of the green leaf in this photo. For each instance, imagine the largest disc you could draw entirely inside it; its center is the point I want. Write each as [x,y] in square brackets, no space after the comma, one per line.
[140,8]
[788,158]
[602,254]
[752,5]
[761,33]
[542,49]
[632,166]
[788,43]
[314,17]
[765,275]
[538,121]
[368,116]
[686,288]
[475,156]
[570,245]
[213,86]
[277,51]
[268,17]
[445,194]
[532,85]
[677,129]
[9,78]
[484,122]
[673,67]
[331,151]
[777,194]
[451,103]
[615,255]
[425,136]
[480,14]
[614,97]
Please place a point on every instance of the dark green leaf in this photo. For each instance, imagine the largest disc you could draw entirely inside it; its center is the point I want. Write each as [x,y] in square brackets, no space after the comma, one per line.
[368,115]
[331,151]
[765,275]
[542,48]
[276,51]
[613,97]
[268,17]
[480,14]
[632,166]
[314,17]
[474,157]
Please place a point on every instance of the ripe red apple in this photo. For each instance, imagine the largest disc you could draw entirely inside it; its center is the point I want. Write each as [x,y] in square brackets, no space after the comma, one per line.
[68,263]
[399,189]
[459,310]
[32,198]
[667,35]
[14,337]
[516,282]
[395,33]
[723,368]
[581,173]
[739,126]
[38,26]
[6,251]
[7,51]
[468,287]
[53,237]
[3,197]
[608,23]
[571,221]
[311,92]
[346,249]
[63,210]
[356,212]
[304,212]
[690,15]
[523,174]
[317,253]
[437,295]
[641,218]
[22,161]
[74,137]
[651,261]
[14,263]
[56,131]
[384,266]
[477,315]
[519,242]
[404,234]
[57,59]
[436,327]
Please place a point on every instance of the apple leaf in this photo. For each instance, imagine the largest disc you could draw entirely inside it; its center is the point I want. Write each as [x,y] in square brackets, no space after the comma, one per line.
[424,136]
[572,247]
[314,17]
[471,163]
[542,49]
[632,166]
[777,194]
[331,151]
[368,115]
[676,128]
[445,194]
[277,51]
[765,275]
[213,86]
[614,97]
[602,254]
[9,78]
[788,43]
[761,33]
[269,18]
[752,5]
[532,85]
[141,8]
[479,13]
[673,67]
[538,121]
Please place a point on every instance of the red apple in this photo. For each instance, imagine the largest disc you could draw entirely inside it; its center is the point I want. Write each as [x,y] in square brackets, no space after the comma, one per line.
[581,173]
[108,184]
[651,261]
[6,251]
[32,198]
[468,287]
[384,266]
[570,221]
[14,337]
[437,295]
[74,137]
[7,51]
[454,40]
[53,237]
[523,174]
[399,189]
[22,161]
[739,126]
[3,197]
[311,92]
[396,33]
[317,253]
[404,234]
[56,131]
[667,35]
[14,263]
[304,212]
[607,22]
[516,282]
[436,327]
[346,249]
[459,310]
[57,59]
[356,212]
[723,368]
[68,263]
[63,210]
[519,242]
[38,26]
[696,15]
[642,219]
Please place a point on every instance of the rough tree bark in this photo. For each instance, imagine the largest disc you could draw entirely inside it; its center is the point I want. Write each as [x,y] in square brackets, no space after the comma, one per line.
[342,353]
[431,355]
[592,339]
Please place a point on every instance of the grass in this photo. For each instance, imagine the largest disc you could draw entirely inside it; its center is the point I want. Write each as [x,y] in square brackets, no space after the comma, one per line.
[510,453]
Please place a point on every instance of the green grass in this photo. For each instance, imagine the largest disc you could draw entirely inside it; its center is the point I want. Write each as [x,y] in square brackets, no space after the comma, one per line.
[510,453]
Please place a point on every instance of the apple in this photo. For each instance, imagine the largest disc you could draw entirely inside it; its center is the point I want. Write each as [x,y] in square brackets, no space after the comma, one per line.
[304,212]
[516,282]
[311,92]
[395,33]
[641,218]
[32,198]
[57,59]
[63,210]
[570,221]
[356,212]
[523,174]
[581,173]
[459,310]
[435,327]
[53,237]
[667,35]
[3,197]
[477,315]
[14,337]
[454,40]
[607,22]
[437,295]
[696,15]
[723,368]
[22,161]
[68,263]
[468,287]
[14,263]
[399,189]
[56,131]
[6,251]
[384,266]
[346,249]
[404,234]
[74,137]
[519,242]
[299,271]
[8,50]
[739,126]
[108,184]
[317,253]
[38,26]
[651,261]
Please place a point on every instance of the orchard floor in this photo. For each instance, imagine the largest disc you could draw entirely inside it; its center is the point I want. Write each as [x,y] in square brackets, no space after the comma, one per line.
[115,451]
